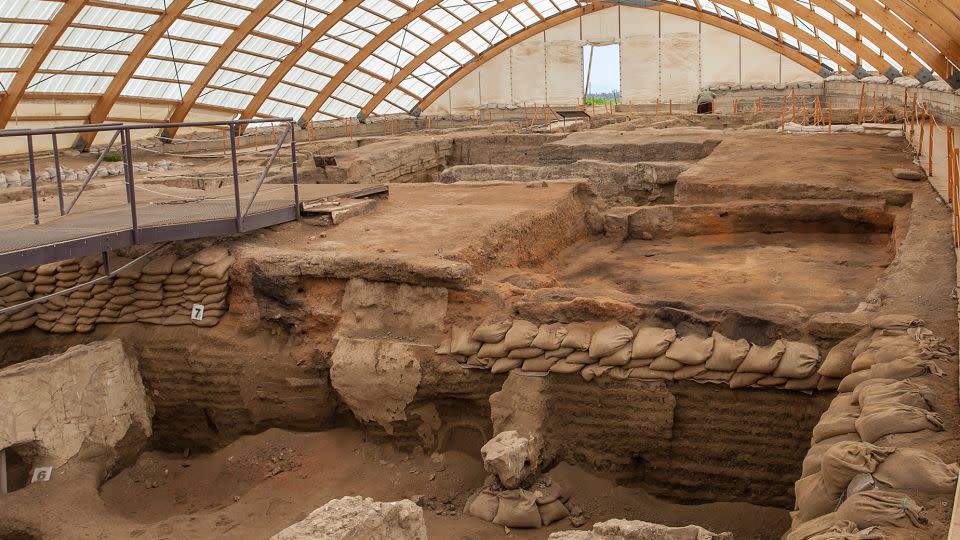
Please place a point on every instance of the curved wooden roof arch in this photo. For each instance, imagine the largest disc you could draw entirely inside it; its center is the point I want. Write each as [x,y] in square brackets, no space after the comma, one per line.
[910,35]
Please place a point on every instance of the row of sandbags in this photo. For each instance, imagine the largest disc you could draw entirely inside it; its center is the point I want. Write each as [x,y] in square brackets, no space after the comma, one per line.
[160,290]
[649,353]
[887,338]
[537,507]
[864,453]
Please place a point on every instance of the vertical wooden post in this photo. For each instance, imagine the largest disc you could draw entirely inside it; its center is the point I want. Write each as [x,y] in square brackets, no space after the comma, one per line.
[671,106]
[930,146]
[3,471]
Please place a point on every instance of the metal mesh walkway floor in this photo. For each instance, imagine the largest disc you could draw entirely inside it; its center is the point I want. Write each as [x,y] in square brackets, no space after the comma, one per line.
[105,229]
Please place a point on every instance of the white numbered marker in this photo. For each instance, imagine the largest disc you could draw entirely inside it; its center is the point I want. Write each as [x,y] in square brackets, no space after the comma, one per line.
[197,313]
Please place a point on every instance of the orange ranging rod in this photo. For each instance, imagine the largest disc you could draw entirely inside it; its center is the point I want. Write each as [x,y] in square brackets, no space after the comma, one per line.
[950,164]
[956,203]
[829,116]
[930,146]
[671,106]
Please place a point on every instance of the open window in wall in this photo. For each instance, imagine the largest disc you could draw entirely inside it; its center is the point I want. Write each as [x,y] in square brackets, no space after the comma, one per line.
[601,74]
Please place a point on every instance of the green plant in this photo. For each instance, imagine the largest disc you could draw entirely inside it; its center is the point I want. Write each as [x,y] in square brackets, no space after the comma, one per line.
[113,157]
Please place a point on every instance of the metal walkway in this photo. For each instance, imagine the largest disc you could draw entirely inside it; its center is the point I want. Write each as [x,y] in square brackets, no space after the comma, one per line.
[106,229]
[110,227]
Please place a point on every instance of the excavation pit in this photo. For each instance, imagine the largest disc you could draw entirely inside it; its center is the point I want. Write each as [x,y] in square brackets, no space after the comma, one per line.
[331,369]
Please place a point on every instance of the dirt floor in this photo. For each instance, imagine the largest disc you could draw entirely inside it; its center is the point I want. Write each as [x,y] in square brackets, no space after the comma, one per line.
[259,484]
[745,271]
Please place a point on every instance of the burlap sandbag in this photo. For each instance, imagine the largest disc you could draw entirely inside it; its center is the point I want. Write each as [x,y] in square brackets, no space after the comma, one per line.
[620,357]
[539,364]
[580,357]
[517,509]
[882,355]
[842,461]
[648,374]
[812,499]
[854,395]
[549,337]
[492,350]
[902,392]
[608,339]
[578,337]
[462,342]
[564,367]
[912,469]
[896,322]
[836,422]
[806,384]
[715,376]
[651,342]
[593,371]
[548,494]
[483,505]
[883,419]
[727,353]
[562,352]
[688,372]
[903,368]
[799,360]
[762,359]
[805,530]
[520,335]
[742,380]
[639,362]
[503,365]
[837,364]
[618,373]
[812,462]
[525,353]
[492,332]
[692,350]
[662,363]
[882,508]
[552,512]
[772,381]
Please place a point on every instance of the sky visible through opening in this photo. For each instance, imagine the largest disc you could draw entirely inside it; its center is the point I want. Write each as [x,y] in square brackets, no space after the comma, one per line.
[605,69]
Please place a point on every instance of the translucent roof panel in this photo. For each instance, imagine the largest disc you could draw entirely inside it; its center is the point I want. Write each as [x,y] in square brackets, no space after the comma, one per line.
[290,57]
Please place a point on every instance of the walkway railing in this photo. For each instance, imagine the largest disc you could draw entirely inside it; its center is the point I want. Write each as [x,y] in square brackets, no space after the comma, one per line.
[124,132]
[102,229]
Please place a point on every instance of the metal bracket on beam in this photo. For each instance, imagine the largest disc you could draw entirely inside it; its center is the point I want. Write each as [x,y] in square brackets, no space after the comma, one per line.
[892,73]
[954,80]
[860,73]
[924,76]
[361,118]
[826,71]
[415,111]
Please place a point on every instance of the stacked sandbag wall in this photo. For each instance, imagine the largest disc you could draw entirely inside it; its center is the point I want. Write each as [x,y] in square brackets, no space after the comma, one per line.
[869,459]
[158,290]
[609,349]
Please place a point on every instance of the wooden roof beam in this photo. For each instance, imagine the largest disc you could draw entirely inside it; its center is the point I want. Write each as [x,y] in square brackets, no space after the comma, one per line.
[38,53]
